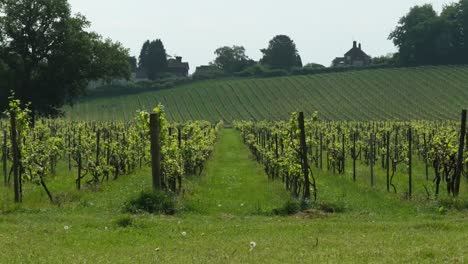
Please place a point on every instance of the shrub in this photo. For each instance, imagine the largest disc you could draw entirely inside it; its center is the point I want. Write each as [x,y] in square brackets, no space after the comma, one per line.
[255,70]
[153,202]
[453,203]
[289,208]
[274,73]
[208,72]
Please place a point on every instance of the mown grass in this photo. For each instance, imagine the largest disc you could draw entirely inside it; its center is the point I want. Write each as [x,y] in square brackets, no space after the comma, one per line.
[423,93]
[375,227]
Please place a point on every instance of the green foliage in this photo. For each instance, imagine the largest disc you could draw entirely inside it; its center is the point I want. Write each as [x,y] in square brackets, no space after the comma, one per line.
[427,38]
[153,58]
[208,72]
[259,70]
[232,59]
[389,59]
[281,54]
[65,56]
[290,207]
[453,203]
[153,202]
[314,66]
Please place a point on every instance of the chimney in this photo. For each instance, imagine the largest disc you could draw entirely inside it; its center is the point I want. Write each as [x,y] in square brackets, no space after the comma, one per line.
[178,59]
[354,44]
[359,46]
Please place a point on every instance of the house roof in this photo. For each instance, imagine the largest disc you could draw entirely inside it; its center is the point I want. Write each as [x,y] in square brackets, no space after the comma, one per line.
[173,63]
[356,52]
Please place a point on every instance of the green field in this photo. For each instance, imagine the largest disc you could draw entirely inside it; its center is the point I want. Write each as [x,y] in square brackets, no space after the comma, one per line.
[222,212]
[430,93]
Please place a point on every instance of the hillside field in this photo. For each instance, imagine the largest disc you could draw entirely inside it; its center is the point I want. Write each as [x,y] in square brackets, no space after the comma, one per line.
[430,93]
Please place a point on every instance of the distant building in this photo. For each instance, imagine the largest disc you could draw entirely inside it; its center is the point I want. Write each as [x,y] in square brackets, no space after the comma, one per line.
[354,57]
[174,66]
[177,67]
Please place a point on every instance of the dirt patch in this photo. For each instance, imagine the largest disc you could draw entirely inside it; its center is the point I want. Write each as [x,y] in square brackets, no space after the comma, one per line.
[311,214]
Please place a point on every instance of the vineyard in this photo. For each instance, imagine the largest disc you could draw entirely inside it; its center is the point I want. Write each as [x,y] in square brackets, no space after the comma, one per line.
[410,158]
[423,93]
[97,152]
[299,190]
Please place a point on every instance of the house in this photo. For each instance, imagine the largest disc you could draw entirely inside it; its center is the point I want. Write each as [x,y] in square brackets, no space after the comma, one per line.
[355,57]
[177,67]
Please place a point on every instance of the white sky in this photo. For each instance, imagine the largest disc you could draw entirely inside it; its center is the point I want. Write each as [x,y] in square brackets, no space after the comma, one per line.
[322,30]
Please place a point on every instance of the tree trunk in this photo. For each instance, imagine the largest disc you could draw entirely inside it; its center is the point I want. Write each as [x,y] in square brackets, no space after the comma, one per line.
[410,162]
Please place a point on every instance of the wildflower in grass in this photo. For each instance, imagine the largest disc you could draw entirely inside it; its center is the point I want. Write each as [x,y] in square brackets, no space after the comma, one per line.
[252,245]
[157,249]
[242,205]
[219,205]
[66,227]
[184,233]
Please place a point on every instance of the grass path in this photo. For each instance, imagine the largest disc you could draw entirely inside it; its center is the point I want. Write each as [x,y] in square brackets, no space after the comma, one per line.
[233,183]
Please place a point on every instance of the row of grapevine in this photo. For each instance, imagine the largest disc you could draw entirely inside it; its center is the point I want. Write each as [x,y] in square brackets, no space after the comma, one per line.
[428,93]
[98,151]
[438,149]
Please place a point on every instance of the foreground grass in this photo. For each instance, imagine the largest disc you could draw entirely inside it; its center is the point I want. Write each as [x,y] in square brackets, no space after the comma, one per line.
[375,226]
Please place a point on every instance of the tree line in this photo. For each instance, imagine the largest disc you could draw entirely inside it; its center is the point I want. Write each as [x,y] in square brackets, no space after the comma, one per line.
[281,57]
[425,37]
[281,54]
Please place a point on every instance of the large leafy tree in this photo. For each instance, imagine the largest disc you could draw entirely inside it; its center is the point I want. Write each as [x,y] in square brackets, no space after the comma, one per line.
[456,18]
[153,58]
[232,59]
[415,35]
[281,54]
[50,57]
[424,37]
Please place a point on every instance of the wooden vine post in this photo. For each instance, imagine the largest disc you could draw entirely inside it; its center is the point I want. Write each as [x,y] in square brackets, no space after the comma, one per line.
[425,157]
[79,163]
[354,155]
[69,146]
[98,153]
[5,158]
[155,130]
[459,168]
[321,150]
[388,160]
[371,159]
[343,141]
[305,165]
[16,159]
[410,162]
